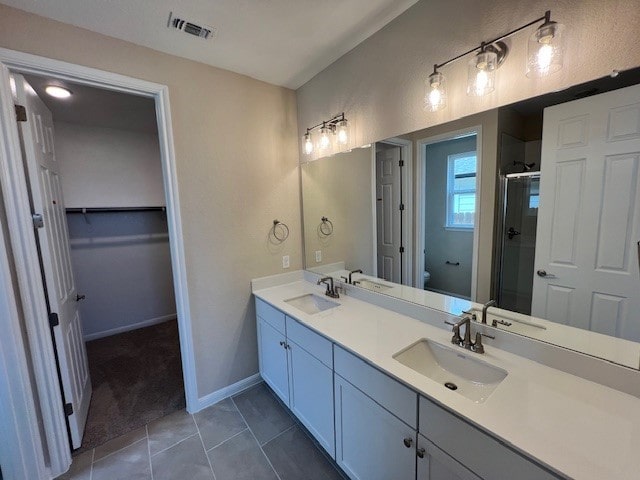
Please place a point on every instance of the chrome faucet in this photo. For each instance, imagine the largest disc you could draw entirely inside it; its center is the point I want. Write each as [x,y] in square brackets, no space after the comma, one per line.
[490,303]
[331,291]
[351,273]
[465,342]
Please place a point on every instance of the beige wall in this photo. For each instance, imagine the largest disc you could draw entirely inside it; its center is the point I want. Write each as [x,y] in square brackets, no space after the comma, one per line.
[379,84]
[235,141]
[339,188]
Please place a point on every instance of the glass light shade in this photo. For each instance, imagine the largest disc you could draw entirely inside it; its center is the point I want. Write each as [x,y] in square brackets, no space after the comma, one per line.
[324,140]
[307,144]
[435,94]
[342,133]
[545,50]
[482,74]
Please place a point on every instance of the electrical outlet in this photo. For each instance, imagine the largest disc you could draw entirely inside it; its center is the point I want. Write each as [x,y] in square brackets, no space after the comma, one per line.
[318,256]
[285,261]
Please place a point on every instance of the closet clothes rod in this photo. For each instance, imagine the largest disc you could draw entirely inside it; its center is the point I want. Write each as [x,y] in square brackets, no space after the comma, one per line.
[115,209]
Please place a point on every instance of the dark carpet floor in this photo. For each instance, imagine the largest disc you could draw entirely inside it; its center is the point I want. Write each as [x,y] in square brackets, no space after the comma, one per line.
[136,378]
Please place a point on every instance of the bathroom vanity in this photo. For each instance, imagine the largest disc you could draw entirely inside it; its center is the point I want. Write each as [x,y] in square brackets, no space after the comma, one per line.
[369,384]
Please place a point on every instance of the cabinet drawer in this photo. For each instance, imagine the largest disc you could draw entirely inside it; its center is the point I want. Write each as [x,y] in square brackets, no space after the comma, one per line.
[271,315]
[389,393]
[315,344]
[479,452]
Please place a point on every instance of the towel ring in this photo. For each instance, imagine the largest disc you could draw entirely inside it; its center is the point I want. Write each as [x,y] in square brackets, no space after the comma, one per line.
[280,231]
[326,227]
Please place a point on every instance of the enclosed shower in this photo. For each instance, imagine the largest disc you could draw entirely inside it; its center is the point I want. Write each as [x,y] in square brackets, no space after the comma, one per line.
[520,218]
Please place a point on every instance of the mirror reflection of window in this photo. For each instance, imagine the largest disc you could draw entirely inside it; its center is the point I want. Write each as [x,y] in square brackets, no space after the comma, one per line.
[461,190]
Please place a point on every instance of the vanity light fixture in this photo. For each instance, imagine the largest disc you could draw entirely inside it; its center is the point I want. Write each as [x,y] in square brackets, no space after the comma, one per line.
[333,136]
[435,95]
[57,91]
[545,50]
[545,56]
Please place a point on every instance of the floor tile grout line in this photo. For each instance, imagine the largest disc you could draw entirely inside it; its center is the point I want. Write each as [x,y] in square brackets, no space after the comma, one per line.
[172,445]
[228,439]
[279,434]
[114,452]
[204,448]
[146,429]
[256,439]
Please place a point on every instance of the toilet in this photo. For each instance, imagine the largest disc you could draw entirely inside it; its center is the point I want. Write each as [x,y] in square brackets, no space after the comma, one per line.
[427,277]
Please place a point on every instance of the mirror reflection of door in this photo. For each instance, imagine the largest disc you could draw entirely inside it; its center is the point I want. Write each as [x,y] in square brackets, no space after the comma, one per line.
[389,211]
[449,215]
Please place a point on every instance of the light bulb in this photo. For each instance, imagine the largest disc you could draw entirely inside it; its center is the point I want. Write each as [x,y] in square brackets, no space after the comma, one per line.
[57,92]
[482,72]
[342,132]
[435,92]
[325,141]
[545,50]
[308,144]
[482,79]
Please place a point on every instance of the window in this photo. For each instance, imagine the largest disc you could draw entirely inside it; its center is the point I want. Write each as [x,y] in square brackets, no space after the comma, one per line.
[461,190]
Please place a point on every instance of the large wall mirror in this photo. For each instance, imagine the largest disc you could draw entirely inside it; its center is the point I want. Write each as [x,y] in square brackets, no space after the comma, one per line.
[535,205]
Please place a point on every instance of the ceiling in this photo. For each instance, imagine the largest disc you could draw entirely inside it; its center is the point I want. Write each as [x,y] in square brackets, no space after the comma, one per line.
[96,107]
[284,42]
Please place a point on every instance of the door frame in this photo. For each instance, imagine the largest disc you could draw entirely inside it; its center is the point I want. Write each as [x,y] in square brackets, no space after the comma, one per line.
[406,147]
[420,186]
[15,196]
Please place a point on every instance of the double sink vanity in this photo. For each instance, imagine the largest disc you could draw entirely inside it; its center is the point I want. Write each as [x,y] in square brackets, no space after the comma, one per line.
[387,394]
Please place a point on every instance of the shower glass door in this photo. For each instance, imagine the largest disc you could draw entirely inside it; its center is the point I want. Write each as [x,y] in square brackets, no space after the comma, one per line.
[522,194]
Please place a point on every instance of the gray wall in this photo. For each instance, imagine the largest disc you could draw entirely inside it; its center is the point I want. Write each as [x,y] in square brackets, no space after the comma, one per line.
[442,244]
[121,262]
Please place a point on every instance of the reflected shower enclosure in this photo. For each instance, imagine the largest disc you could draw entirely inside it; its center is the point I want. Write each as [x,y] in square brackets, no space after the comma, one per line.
[522,196]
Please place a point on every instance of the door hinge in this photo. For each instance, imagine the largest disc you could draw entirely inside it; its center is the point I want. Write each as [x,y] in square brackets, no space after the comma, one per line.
[38,220]
[21,113]
[401,163]
[401,249]
[402,207]
[53,319]
[68,409]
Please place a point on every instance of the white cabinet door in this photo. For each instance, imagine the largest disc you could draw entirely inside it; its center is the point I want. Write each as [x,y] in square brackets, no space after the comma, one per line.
[370,442]
[311,388]
[272,354]
[434,464]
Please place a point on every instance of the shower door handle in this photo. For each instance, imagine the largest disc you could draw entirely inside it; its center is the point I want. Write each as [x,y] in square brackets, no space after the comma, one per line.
[512,232]
[544,274]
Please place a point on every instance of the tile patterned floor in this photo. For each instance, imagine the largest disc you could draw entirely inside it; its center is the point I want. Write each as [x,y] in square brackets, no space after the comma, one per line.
[248,437]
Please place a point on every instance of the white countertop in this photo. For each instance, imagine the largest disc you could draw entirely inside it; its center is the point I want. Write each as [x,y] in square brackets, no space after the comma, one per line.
[579,428]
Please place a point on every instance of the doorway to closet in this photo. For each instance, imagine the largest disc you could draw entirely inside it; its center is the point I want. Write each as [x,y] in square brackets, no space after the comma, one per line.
[93,164]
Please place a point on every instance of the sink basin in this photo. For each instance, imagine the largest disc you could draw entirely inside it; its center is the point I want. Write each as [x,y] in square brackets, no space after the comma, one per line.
[454,368]
[371,285]
[311,303]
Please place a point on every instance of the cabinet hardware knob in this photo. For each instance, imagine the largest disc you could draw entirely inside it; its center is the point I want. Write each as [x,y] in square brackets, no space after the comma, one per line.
[420,452]
[283,345]
[408,442]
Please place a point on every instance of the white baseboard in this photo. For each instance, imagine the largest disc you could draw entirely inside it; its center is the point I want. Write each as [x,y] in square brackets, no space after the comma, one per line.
[126,328]
[226,392]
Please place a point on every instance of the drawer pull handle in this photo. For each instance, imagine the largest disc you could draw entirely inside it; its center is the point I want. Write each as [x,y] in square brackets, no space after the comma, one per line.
[420,452]
[408,442]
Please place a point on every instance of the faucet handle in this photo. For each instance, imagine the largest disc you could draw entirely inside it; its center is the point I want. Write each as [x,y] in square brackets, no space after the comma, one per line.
[456,339]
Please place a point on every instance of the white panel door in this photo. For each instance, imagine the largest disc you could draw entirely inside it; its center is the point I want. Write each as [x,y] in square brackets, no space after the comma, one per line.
[311,395]
[388,214]
[371,443]
[587,251]
[434,464]
[46,197]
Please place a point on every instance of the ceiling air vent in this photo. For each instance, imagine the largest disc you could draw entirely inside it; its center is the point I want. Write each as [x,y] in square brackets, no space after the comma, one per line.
[192,28]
